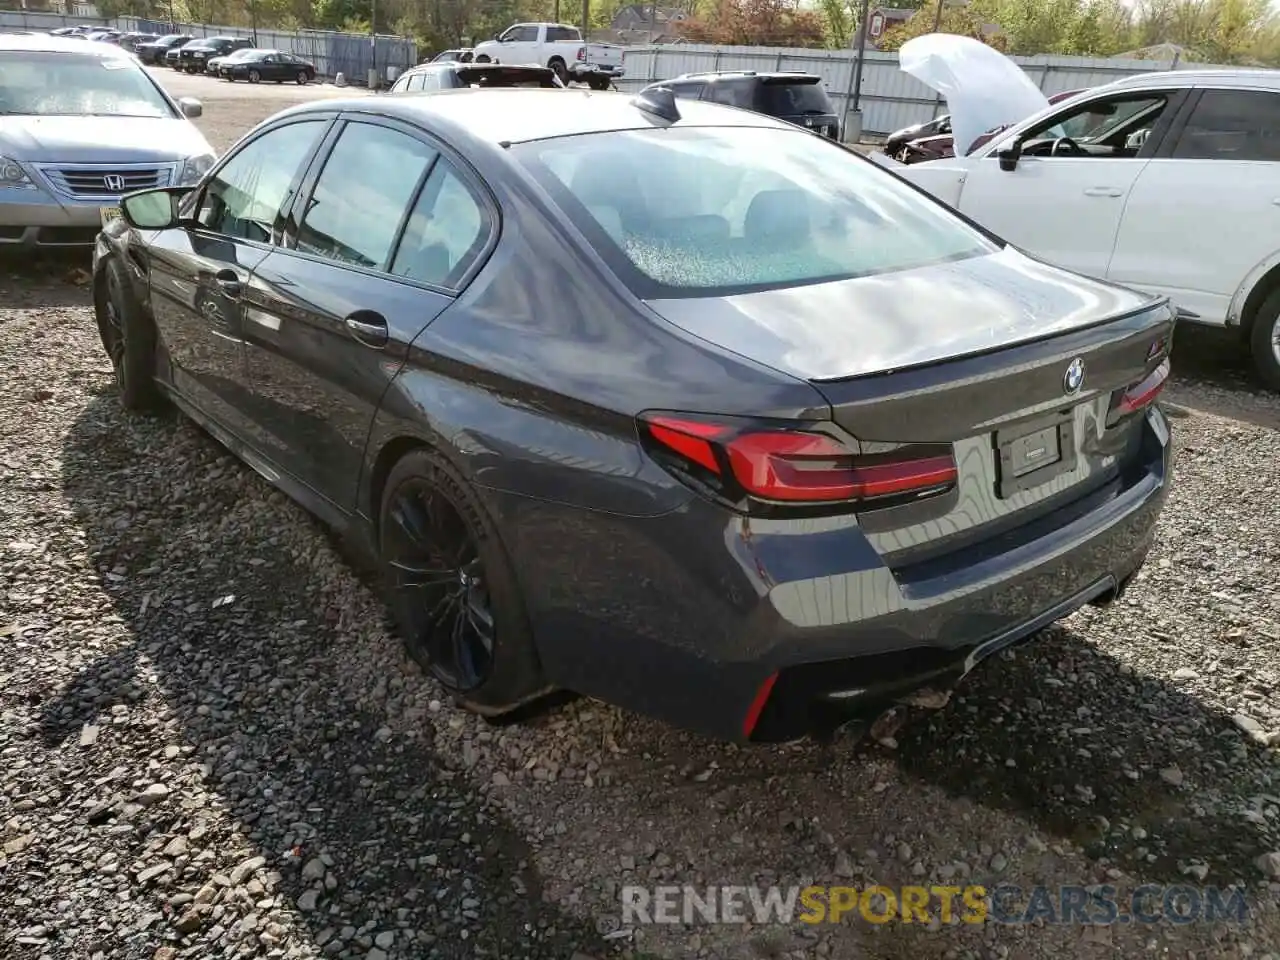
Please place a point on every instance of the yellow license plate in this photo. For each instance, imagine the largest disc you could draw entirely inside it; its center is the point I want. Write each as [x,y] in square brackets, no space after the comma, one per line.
[109,214]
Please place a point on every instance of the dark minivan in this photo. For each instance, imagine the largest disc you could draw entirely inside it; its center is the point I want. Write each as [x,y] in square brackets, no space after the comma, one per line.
[798,98]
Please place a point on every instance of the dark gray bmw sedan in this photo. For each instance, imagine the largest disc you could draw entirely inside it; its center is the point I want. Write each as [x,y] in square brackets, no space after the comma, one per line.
[665,403]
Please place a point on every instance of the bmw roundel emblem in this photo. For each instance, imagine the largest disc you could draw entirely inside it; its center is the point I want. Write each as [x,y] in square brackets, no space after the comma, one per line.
[1073,379]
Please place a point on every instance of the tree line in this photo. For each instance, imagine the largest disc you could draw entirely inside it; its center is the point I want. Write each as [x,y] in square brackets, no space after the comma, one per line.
[1242,32]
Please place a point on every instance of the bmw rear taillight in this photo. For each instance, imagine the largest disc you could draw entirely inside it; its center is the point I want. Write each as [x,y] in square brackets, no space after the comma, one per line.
[1140,395]
[749,462]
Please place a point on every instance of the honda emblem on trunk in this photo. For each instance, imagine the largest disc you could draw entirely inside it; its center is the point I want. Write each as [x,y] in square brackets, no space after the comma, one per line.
[1074,377]
[114,182]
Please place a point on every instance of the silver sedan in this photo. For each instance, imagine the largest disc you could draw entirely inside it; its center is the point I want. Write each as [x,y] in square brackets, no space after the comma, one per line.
[80,125]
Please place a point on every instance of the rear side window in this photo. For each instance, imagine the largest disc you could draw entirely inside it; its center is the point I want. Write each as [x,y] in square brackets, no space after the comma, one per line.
[717,210]
[446,232]
[362,194]
[1232,125]
[792,99]
[557,34]
[731,93]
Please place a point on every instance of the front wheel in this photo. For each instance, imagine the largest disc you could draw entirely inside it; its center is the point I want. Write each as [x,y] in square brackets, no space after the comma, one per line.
[254,76]
[303,78]
[454,595]
[1264,341]
[129,338]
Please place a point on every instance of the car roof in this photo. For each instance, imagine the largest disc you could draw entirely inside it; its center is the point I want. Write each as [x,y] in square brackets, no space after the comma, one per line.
[496,115]
[1167,79]
[743,75]
[47,43]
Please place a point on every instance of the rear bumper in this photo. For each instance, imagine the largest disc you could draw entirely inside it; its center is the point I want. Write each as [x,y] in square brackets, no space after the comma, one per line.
[702,618]
[596,70]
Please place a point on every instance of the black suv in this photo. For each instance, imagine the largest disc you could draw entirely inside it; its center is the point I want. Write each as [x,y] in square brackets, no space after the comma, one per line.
[192,57]
[154,50]
[798,98]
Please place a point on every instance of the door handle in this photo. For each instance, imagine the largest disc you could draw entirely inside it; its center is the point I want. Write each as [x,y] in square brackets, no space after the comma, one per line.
[368,327]
[1102,192]
[229,283]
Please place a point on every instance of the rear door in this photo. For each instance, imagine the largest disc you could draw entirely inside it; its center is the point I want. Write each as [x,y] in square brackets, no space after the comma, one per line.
[199,274]
[1206,209]
[384,234]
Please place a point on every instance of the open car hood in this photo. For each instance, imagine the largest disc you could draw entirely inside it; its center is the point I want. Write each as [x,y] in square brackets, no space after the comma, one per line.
[984,88]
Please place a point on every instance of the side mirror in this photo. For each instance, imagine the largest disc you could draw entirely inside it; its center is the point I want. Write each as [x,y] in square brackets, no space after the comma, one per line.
[498,37]
[191,107]
[1009,156]
[153,209]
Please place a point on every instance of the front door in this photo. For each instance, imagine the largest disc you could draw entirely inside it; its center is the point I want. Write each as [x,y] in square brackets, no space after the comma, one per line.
[199,272]
[334,313]
[1206,210]
[1064,199]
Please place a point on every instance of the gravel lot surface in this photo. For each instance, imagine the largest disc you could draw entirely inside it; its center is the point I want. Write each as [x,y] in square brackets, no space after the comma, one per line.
[211,746]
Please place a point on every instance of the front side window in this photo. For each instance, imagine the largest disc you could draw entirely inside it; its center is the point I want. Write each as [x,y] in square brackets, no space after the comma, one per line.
[39,84]
[718,210]
[1232,125]
[1116,128]
[446,232]
[247,194]
[362,194]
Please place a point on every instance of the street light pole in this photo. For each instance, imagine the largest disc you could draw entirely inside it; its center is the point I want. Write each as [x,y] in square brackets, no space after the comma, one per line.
[862,50]
[373,45]
[937,17]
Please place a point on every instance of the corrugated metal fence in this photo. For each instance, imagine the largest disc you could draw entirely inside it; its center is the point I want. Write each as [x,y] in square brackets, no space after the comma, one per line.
[348,53]
[890,98]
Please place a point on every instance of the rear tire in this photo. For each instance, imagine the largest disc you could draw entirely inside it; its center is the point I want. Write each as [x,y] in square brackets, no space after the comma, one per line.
[483,58]
[1264,341]
[129,337]
[254,76]
[467,626]
[560,69]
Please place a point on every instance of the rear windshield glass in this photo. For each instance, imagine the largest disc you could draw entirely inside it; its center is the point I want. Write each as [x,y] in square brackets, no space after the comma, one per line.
[507,78]
[710,211]
[787,99]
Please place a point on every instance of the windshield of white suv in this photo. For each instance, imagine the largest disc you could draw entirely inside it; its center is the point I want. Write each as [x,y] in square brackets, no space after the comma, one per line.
[711,211]
[44,84]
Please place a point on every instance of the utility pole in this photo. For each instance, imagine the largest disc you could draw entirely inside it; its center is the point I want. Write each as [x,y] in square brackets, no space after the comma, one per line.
[937,17]
[373,45]
[862,50]
[586,19]
[253,19]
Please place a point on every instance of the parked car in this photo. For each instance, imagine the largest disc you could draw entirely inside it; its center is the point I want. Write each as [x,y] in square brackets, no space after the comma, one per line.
[932,140]
[76,136]
[193,56]
[156,50]
[663,402]
[131,41]
[212,65]
[1073,185]
[460,54]
[104,36]
[449,76]
[798,98]
[77,31]
[268,65]
[171,57]
[558,46]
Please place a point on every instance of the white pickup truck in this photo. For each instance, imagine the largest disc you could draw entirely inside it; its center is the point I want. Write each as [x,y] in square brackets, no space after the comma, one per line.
[558,46]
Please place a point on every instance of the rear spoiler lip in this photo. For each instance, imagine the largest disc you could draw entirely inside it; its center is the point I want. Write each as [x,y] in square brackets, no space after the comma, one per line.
[1156,305]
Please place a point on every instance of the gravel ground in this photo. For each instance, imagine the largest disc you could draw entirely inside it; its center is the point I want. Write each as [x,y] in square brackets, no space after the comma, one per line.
[212,746]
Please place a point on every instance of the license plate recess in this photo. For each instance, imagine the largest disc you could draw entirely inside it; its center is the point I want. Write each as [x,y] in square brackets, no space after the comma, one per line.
[1035,452]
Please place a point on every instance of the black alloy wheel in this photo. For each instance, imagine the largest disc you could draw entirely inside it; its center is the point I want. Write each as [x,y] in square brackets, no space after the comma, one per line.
[254,76]
[129,338]
[303,78]
[436,566]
